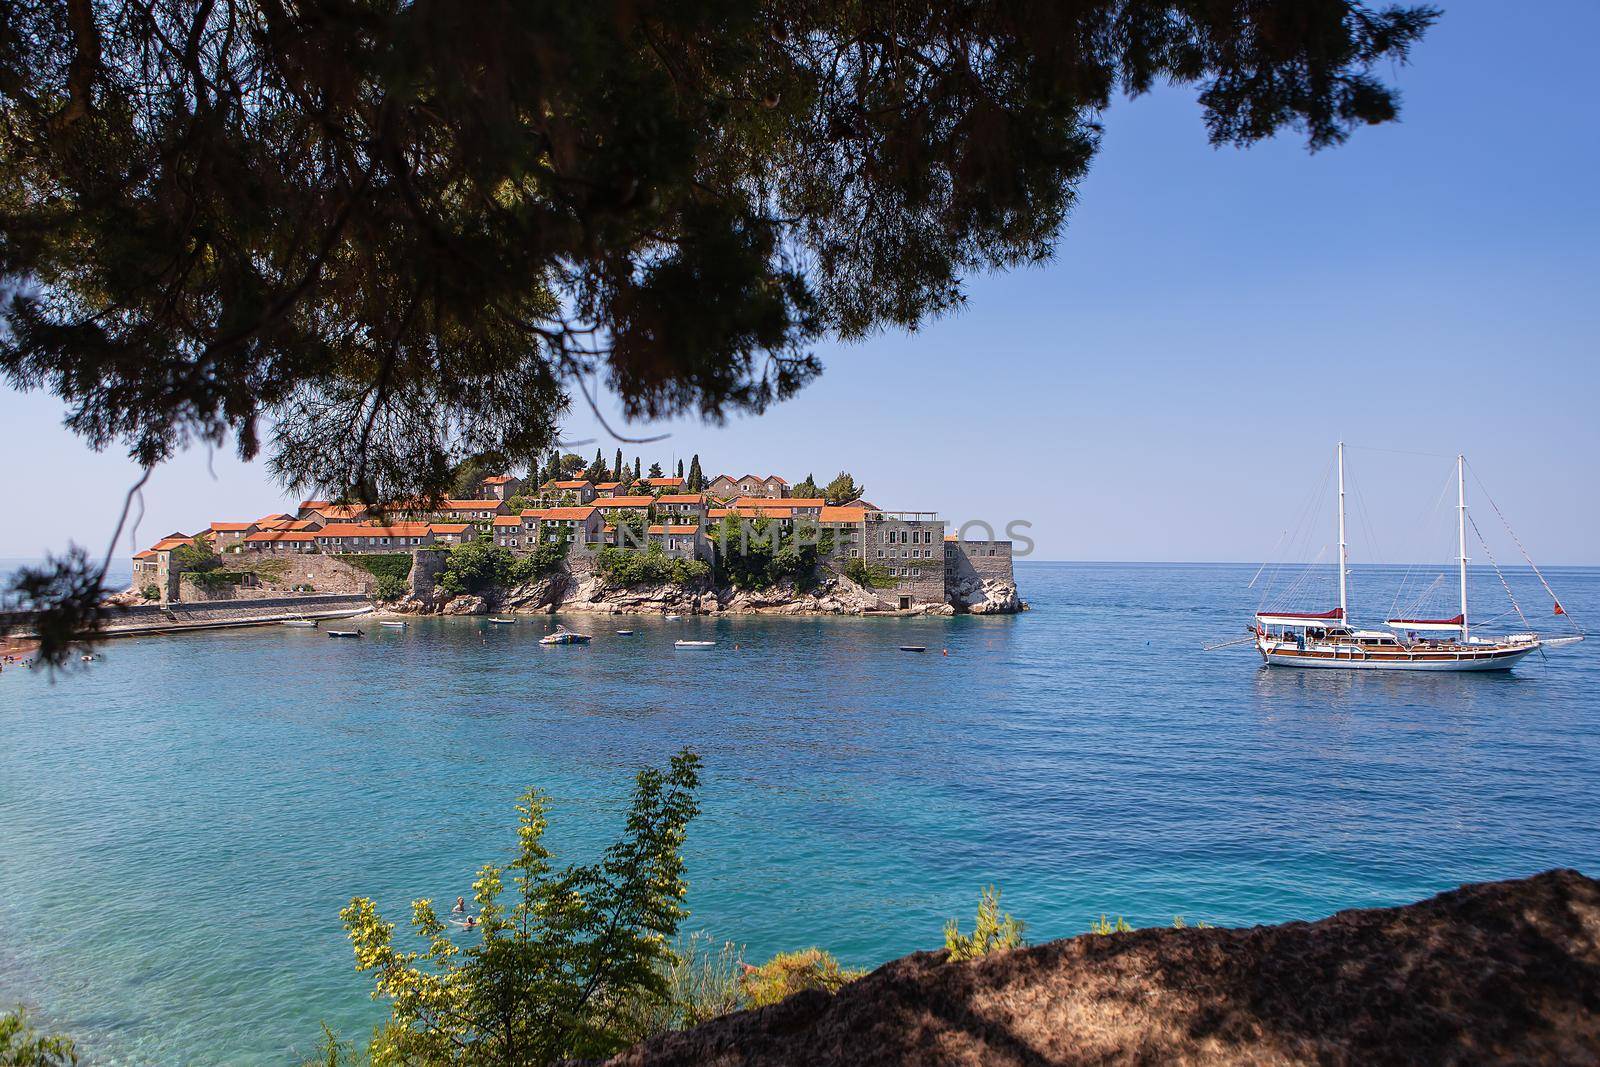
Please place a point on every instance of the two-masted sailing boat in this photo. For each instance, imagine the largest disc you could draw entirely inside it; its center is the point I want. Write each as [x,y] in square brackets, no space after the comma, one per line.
[1327,639]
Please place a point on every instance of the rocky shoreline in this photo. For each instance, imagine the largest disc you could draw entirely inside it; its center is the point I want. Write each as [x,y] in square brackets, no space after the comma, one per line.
[565,591]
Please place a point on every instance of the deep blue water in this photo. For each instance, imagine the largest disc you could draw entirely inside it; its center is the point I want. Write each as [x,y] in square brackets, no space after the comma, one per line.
[180,824]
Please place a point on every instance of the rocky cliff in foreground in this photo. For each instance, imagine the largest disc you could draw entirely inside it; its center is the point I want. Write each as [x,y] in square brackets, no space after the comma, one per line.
[1493,973]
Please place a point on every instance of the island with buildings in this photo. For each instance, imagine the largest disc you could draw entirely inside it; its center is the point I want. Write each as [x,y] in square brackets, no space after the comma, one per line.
[669,545]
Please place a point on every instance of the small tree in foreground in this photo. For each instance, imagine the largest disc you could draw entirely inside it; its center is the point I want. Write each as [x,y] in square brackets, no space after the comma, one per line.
[561,972]
[993,931]
[23,1046]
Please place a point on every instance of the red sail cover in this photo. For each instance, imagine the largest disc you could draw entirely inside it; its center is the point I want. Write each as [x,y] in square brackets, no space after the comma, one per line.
[1336,613]
[1457,621]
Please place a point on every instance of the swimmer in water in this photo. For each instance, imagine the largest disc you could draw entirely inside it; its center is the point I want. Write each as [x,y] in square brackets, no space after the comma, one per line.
[461,905]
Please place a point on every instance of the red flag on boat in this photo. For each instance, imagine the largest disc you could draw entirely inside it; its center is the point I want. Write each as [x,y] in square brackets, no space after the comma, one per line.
[1559,609]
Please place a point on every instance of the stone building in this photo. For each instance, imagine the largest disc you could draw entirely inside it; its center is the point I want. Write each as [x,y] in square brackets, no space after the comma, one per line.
[726,487]
[500,486]
[347,538]
[571,492]
[910,545]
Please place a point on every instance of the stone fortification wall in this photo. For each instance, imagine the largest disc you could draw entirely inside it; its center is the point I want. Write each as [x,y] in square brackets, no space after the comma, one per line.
[978,560]
[146,617]
[278,575]
[426,566]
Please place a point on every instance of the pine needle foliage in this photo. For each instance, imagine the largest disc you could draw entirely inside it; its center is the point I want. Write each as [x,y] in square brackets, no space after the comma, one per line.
[556,974]
[992,932]
[788,973]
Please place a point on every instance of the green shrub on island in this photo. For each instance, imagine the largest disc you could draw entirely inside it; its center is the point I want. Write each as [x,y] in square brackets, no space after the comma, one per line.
[213,580]
[480,566]
[391,588]
[197,557]
[381,565]
[561,972]
[788,973]
[758,557]
[868,575]
[23,1046]
[1105,926]
[992,932]
[627,567]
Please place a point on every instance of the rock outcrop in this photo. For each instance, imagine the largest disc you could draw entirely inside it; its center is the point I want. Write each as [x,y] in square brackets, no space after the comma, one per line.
[1505,972]
[984,596]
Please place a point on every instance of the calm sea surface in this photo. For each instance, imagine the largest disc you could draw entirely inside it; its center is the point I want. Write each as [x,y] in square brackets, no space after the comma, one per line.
[180,825]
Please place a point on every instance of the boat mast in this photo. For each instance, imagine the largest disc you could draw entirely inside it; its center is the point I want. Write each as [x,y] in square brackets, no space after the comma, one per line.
[1344,562]
[1461,535]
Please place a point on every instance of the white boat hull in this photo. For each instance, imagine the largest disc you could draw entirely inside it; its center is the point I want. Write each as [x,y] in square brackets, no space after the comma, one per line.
[1346,658]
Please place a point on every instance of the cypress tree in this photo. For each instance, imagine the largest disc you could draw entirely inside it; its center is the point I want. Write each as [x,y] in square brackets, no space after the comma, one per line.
[697,477]
[618,471]
[680,468]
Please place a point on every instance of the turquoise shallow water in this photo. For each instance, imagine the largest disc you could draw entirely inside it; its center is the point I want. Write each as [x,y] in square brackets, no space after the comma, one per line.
[180,825]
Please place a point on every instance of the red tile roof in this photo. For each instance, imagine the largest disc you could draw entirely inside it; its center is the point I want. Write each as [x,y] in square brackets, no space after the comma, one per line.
[264,536]
[230,527]
[681,498]
[313,505]
[606,485]
[783,502]
[471,505]
[664,483]
[581,512]
[342,511]
[843,514]
[146,554]
[575,483]
[449,527]
[497,479]
[508,520]
[356,529]
[628,502]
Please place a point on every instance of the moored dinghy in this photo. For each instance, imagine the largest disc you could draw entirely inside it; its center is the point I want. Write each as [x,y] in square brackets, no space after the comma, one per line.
[306,624]
[565,637]
[694,645]
[504,622]
[346,633]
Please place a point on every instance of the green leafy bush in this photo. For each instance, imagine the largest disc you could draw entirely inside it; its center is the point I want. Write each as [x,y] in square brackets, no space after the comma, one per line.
[559,973]
[992,932]
[625,567]
[788,973]
[23,1046]
[197,557]
[391,588]
[758,557]
[868,575]
[381,565]
[151,592]
[1104,926]
[480,566]
[215,579]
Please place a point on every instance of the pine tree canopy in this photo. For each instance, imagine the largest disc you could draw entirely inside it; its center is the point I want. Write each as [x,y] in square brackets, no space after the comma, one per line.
[386,236]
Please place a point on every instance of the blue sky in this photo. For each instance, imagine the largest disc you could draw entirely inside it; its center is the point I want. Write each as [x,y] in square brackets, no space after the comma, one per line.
[1171,386]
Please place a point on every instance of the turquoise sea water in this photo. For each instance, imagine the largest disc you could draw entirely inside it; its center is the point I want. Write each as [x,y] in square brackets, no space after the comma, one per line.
[180,824]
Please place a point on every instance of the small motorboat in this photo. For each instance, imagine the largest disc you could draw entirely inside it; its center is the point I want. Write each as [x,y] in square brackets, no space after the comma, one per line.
[565,637]
[504,622]
[396,624]
[624,633]
[913,648]
[670,618]
[346,633]
[309,624]
[694,644]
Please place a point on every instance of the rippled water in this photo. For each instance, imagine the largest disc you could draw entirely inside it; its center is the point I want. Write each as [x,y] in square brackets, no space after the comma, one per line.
[180,825]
